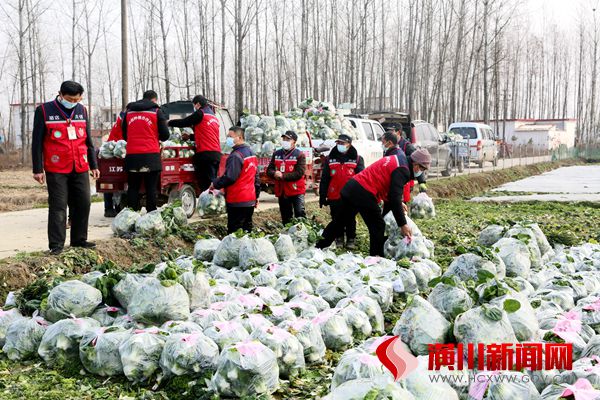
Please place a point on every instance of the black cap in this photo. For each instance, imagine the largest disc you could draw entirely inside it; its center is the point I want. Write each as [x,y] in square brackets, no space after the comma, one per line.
[291,135]
[344,138]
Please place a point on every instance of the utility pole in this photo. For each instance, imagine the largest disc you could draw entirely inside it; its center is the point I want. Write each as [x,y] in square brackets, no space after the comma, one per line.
[124,61]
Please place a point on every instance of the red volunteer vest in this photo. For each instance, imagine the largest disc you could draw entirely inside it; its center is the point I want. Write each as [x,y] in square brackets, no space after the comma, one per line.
[340,172]
[377,177]
[243,190]
[116,133]
[285,164]
[206,134]
[142,132]
[61,153]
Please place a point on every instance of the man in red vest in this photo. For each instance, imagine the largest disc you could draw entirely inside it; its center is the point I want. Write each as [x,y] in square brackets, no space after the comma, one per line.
[116,134]
[383,180]
[342,163]
[143,126]
[206,135]
[240,181]
[62,153]
[287,167]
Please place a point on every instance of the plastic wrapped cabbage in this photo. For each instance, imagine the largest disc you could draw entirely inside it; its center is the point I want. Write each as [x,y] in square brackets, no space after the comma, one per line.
[368,306]
[252,322]
[228,251]
[319,303]
[290,286]
[106,150]
[420,325]
[205,318]
[367,389]
[198,288]
[60,343]
[229,309]
[523,320]
[450,299]
[406,282]
[256,277]
[159,301]
[284,246]
[125,221]
[269,296]
[466,266]
[421,207]
[268,148]
[484,324]
[247,368]
[379,290]
[120,149]
[71,298]
[287,349]
[174,327]
[266,122]
[126,288]
[357,364]
[249,120]
[188,354]
[204,249]
[299,234]
[23,337]
[491,235]
[99,350]
[91,277]
[310,338]
[256,253]
[418,246]
[336,332]
[334,290]
[515,386]
[140,354]
[515,255]
[151,224]
[226,333]
[211,203]
[7,318]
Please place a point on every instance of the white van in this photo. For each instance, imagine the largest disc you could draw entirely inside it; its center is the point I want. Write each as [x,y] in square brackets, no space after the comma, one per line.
[482,141]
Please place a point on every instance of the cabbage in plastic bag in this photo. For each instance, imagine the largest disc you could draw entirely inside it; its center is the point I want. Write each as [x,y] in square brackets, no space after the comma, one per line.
[284,246]
[226,333]
[159,301]
[120,149]
[420,325]
[125,222]
[151,224]
[269,296]
[336,332]
[188,354]
[309,336]
[287,349]
[256,253]
[252,322]
[418,246]
[246,369]
[357,364]
[174,327]
[7,318]
[466,266]
[204,249]
[290,286]
[484,324]
[319,303]
[523,320]
[211,203]
[140,354]
[491,235]
[334,290]
[126,288]
[450,299]
[99,350]
[515,255]
[204,318]
[198,288]
[376,389]
[256,277]
[228,251]
[368,306]
[60,343]
[71,298]
[23,337]
[421,207]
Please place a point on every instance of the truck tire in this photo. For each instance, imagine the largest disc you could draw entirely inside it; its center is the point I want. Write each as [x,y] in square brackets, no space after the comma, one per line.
[187,197]
[120,201]
[449,169]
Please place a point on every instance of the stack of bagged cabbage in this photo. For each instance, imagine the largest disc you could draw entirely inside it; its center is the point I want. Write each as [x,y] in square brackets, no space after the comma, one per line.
[249,310]
[176,140]
[159,222]
[113,149]
[263,133]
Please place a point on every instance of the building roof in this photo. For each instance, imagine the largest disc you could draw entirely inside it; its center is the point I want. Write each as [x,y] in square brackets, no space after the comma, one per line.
[536,127]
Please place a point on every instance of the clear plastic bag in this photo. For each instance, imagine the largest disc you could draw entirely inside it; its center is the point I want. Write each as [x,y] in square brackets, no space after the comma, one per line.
[368,306]
[287,349]
[198,288]
[319,303]
[228,252]
[71,298]
[334,290]
[290,286]
[127,287]
[174,327]
[204,249]
[256,277]
[151,224]
[336,332]
[466,266]
[211,203]
[159,301]
[257,253]
[309,336]
[120,149]
[188,354]
[490,235]
[420,325]
[357,364]
[226,333]
[269,296]
[140,354]
[421,207]
[23,338]
[7,318]
[106,150]
[247,368]
[284,246]
[515,255]
[482,325]
[450,300]
[205,317]
[60,343]
[377,389]
[99,350]
[252,322]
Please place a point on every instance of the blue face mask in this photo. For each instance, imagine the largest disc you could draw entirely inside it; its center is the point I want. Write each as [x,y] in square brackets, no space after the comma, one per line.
[342,148]
[67,104]
[229,142]
[418,174]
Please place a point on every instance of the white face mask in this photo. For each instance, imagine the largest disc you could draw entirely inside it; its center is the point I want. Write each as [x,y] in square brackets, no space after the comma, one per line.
[418,173]
[286,145]
[342,148]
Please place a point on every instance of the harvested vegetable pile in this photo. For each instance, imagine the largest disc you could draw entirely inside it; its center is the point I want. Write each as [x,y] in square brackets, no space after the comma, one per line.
[251,311]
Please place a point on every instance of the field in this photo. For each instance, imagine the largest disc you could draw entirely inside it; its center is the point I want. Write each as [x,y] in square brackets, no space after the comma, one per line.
[454,230]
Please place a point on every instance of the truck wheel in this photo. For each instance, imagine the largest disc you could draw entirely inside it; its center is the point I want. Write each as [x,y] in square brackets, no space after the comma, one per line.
[480,164]
[120,201]
[449,167]
[187,197]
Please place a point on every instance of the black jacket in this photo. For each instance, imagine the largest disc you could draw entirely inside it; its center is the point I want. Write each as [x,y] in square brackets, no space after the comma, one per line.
[351,154]
[151,161]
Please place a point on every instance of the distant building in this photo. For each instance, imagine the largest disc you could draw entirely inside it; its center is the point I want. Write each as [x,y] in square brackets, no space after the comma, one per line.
[544,133]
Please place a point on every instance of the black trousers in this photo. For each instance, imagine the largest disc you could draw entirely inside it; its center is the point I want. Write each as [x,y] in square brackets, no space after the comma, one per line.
[291,207]
[349,223]
[134,183]
[206,167]
[357,200]
[72,190]
[108,202]
[239,217]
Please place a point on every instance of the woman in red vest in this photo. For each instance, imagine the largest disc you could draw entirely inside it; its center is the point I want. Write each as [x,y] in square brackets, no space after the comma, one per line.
[342,163]
[206,135]
[62,153]
[144,125]
[384,181]
[287,167]
[240,181]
